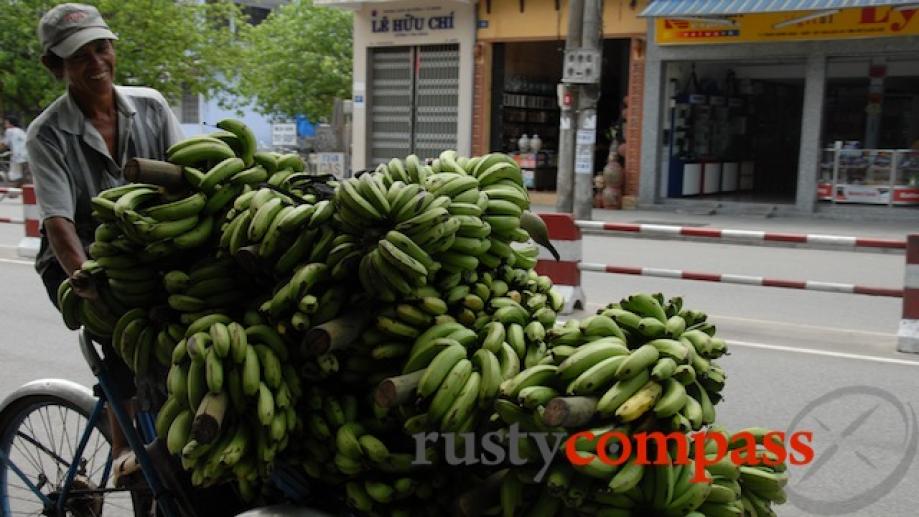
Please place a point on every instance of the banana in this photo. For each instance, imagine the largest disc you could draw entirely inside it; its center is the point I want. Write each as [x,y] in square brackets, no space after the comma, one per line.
[267,335]
[628,476]
[246,137]
[202,151]
[509,360]
[638,361]
[646,306]
[640,402]
[220,173]
[374,193]
[265,405]
[131,201]
[589,355]
[213,371]
[191,140]
[251,176]
[672,399]
[663,369]
[596,378]
[492,336]
[179,431]
[532,397]
[489,365]
[181,209]
[516,338]
[196,236]
[251,373]
[537,375]
[620,392]
[272,374]
[348,195]
[401,260]
[263,218]
[196,383]
[437,371]
[464,404]
[449,390]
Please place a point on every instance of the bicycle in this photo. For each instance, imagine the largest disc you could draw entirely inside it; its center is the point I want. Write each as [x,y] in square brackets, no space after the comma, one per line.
[35,425]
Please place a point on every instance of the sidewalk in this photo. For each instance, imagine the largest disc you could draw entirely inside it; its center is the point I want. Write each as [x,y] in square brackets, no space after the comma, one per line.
[894,229]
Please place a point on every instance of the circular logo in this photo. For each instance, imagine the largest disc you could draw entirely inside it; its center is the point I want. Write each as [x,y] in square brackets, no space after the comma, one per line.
[855,429]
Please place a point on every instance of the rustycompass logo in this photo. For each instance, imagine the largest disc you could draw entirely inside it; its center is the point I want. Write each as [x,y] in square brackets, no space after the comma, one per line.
[855,429]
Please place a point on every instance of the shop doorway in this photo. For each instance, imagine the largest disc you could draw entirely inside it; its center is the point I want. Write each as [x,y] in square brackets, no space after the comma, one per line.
[733,131]
[413,99]
[525,112]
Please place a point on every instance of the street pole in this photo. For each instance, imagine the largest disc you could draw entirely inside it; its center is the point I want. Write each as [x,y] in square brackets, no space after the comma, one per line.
[567,94]
[591,40]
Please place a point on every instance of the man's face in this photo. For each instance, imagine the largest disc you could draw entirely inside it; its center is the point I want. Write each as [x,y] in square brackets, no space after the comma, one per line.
[91,70]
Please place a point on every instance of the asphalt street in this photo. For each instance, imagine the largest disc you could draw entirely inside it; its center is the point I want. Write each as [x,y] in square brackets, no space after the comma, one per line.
[800,361]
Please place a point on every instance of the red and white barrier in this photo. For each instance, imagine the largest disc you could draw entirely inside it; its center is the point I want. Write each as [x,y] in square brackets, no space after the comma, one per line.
[565,273]
[28,245]
[908,335]
[810,285]
[812,240]
[565,234]
[10,190]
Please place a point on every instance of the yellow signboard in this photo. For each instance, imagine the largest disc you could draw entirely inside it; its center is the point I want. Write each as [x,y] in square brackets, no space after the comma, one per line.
[864,22]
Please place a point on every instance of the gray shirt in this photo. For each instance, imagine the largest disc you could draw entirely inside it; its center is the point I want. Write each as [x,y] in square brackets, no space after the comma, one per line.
[70,162]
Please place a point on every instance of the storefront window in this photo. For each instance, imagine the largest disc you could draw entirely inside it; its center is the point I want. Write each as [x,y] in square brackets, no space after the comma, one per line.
[871,132]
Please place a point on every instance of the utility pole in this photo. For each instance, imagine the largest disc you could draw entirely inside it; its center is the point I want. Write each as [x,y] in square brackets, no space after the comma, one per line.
[592,48]
[567,95]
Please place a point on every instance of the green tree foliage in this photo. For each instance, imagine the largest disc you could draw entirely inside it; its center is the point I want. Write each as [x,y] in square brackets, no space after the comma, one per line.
[298,60]
[163,44]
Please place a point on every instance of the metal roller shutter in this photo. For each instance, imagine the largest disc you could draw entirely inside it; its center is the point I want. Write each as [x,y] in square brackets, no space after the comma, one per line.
[436,99]
[413,97]
[390,100]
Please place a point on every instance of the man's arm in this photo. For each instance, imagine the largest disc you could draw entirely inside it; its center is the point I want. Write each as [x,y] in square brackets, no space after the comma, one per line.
[67,248]
[62,236]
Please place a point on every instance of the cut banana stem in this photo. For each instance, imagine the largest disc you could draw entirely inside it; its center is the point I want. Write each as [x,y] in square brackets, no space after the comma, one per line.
[569,411]
[395,391]
[164,174]
[337,334]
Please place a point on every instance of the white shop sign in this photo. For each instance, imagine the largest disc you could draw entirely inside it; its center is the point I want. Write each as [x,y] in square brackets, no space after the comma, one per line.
[284,135]
[328,163]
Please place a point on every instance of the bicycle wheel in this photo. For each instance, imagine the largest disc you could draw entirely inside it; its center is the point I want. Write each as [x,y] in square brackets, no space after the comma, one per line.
[39,434]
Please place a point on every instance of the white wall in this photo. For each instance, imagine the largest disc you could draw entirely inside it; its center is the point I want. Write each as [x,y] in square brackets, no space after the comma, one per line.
[463,33]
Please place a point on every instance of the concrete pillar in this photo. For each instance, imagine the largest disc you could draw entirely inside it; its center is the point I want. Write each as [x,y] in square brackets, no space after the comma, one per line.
[811,132]
[654,103]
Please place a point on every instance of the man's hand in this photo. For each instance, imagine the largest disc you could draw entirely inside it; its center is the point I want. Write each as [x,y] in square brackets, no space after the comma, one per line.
[84,285]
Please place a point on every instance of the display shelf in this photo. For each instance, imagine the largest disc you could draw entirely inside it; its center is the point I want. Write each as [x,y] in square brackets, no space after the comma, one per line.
[869,176]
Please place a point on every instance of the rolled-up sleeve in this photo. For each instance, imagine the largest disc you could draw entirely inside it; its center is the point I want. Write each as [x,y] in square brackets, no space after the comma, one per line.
[54,188]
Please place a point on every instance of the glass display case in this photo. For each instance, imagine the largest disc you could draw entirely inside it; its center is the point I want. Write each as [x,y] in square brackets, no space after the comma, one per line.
[870,176]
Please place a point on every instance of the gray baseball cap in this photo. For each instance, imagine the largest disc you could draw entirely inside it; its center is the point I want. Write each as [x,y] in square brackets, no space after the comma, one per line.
[67,27]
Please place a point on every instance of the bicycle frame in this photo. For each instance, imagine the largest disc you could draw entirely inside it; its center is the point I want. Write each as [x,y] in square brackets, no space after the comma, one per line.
[166,503]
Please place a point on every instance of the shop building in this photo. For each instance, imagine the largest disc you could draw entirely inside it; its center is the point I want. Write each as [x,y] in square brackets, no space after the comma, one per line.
[802,105]
[518,64]
[412,78]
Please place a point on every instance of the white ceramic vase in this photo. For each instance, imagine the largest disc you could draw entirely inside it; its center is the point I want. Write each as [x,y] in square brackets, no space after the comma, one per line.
[535,143]
[523,143]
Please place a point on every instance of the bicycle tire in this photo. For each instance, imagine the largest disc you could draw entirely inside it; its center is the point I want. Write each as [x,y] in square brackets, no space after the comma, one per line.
[25,445]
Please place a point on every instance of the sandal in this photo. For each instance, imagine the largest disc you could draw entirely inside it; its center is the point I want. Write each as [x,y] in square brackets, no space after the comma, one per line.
[124,469]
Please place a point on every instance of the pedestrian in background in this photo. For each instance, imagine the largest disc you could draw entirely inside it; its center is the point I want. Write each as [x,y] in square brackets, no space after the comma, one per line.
[14,139]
